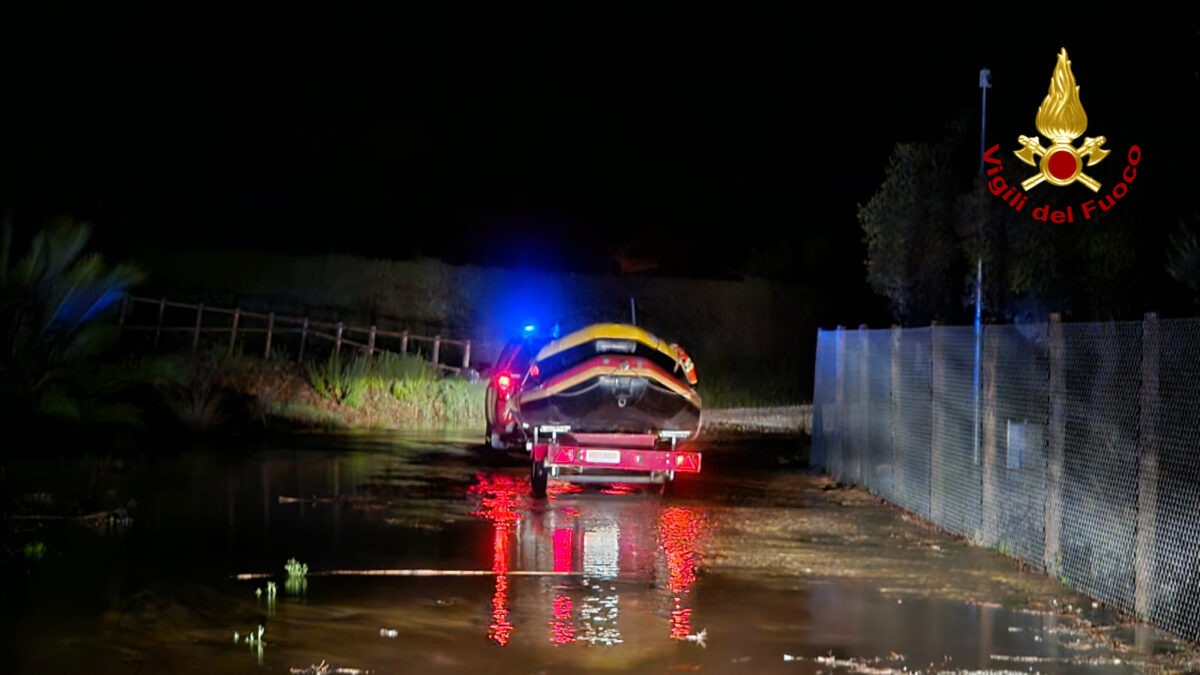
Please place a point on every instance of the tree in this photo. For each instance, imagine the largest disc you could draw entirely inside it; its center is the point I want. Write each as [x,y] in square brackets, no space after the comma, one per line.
[933,218]
[56,305]
[913,252]
[1183,255]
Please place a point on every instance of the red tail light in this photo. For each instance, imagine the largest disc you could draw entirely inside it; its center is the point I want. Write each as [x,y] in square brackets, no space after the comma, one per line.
[687,461]
[503,382]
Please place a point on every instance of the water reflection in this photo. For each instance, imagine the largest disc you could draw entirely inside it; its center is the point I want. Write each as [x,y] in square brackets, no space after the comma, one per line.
[590,544]
[425,558]
[498,502]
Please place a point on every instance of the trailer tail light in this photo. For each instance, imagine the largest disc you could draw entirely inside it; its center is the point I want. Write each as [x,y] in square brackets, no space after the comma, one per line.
[687,461]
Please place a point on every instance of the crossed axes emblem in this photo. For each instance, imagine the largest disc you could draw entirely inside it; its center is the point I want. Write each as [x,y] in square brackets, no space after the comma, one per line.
[1090,149]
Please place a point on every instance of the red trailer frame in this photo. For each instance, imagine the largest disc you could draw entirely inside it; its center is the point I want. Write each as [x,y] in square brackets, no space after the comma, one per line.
[557,453]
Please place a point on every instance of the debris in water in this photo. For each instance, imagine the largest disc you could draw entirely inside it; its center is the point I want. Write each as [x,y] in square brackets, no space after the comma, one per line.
[698,638]
[324,668]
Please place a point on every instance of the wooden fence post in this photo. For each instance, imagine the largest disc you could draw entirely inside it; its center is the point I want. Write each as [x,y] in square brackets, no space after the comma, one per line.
[404,342]
[371,342]
[303,339]
[121,314]
[199,320]
[162,307]
[237,315]
[437,348]
[337,343]
[270,329]
[466,355]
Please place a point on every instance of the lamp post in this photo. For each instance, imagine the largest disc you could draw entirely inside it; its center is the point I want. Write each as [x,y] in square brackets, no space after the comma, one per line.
[985,82]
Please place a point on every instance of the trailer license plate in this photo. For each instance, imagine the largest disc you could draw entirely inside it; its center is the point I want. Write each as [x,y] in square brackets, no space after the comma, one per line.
[604,456]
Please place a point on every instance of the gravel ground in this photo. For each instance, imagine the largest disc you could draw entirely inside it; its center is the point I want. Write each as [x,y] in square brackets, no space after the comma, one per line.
[782,419]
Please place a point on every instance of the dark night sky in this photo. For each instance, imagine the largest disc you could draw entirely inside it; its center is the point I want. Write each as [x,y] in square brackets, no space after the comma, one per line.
[527,136]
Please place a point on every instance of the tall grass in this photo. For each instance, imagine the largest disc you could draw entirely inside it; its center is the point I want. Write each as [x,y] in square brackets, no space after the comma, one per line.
[391,367]
[343,380]
[399,390]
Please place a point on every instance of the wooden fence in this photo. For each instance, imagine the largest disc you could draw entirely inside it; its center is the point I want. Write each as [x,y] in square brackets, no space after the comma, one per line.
[162,323]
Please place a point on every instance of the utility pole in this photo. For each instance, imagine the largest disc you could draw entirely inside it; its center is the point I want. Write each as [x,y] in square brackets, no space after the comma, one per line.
[985,83]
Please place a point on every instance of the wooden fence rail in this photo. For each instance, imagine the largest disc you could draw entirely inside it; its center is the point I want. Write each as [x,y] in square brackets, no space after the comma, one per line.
[149,316]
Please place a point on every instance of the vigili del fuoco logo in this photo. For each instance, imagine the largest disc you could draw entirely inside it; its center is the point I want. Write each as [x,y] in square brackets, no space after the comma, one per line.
[1060,162]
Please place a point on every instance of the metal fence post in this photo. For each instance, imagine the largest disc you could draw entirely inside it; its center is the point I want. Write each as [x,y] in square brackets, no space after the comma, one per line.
[939,501]
[863,448]
[894,398]
[1055,451]
[835,460]
[990,463]
[1145,572]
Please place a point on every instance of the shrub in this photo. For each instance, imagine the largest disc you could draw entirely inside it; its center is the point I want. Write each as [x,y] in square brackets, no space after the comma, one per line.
[341,380]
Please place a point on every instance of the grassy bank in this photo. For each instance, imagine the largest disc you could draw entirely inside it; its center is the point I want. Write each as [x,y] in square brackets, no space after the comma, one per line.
[222,392]
[390,392]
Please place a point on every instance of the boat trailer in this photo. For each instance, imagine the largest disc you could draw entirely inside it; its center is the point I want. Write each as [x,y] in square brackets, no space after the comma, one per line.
[649,458]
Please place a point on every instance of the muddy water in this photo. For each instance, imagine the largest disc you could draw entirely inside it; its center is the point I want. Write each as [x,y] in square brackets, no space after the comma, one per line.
[425,555]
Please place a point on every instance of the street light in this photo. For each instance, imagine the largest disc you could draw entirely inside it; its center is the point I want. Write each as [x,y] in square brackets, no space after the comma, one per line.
[985,83]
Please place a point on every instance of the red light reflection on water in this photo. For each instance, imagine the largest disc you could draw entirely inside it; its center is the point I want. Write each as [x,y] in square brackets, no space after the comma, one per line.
[621,489]
[563,544]
[503,500]
[562,627]
[500,497]
[679,528]
[500,629]
[563,488]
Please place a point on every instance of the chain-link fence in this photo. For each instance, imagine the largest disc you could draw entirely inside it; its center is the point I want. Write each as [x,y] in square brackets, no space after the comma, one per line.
[1072,447]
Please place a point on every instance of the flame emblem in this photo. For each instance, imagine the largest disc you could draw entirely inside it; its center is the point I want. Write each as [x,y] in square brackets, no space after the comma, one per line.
[1061,119]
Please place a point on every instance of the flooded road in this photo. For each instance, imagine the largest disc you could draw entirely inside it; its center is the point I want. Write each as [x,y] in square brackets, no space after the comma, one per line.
[426,554]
